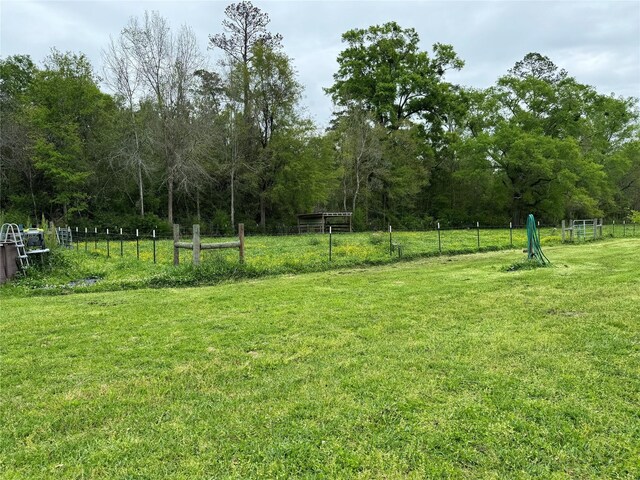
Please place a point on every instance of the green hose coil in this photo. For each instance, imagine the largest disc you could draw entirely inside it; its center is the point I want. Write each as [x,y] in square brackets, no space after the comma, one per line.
[534,250]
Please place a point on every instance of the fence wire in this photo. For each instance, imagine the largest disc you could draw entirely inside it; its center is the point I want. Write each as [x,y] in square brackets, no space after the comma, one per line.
[308,249]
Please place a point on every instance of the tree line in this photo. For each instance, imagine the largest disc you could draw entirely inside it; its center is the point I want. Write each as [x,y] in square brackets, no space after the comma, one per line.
[175,141]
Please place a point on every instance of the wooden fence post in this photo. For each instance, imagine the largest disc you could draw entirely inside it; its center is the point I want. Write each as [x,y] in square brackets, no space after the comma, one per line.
[572,224]
[196,244]
[176,239]
[241,236]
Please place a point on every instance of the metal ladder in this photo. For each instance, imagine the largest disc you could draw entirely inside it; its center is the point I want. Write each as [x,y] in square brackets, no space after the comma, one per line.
[10,233]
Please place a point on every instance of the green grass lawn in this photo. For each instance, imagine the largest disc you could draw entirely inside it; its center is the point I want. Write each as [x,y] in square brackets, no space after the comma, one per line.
[446,367]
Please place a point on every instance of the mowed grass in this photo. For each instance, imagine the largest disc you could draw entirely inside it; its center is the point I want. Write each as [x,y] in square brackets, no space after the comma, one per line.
[437,368]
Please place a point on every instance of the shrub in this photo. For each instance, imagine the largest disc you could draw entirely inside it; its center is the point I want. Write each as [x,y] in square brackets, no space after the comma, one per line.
[376,238]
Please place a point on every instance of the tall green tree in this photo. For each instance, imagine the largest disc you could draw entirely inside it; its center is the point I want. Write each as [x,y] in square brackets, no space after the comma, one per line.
[305,175]
[67,116]
[383,71]
[17,173]
[244,34]
[275,94]
[550,141]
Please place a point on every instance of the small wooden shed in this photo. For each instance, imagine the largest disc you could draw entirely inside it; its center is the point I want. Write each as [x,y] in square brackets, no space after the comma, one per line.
[321,221]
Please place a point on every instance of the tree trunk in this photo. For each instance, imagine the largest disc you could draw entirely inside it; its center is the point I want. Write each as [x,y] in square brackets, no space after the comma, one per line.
[263,216]
[366,212]
[245,88]
[516,214]
[344,193]
[198,204]
[33,196]
[357,190]
[233,200]
[170,198]
[140,189]
[138,159]
[384,209]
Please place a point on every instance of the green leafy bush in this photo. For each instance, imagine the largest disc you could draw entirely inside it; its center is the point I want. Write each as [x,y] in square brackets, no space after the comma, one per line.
[376,238]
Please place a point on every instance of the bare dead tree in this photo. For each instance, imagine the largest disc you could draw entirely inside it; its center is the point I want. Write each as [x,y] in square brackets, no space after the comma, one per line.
[123,78]
[359,153]
[165,67]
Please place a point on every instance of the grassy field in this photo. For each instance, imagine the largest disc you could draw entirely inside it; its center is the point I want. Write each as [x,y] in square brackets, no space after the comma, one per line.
[93,265]
[446,367]
[108,270]
[269,251]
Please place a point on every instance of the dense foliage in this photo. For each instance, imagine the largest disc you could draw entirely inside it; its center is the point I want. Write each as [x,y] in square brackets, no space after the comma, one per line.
[173,141]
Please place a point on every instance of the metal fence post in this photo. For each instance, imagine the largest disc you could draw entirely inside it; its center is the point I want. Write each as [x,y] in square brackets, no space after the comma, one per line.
[390,242]
[330,243]
[77,240]
[86,236]
[121,243]
[137,245]
[439,242]
[478,227]
[511,234]
[108,251]
[95,238]
[154,246]
[241,238]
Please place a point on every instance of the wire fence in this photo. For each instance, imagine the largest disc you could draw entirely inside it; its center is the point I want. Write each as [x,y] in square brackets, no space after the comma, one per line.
[150,246]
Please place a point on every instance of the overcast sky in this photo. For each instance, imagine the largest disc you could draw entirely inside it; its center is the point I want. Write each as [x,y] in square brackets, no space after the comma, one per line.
[598,42]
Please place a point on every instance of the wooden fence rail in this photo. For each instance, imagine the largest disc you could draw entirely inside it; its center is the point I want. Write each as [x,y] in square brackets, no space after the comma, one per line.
[196,246]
